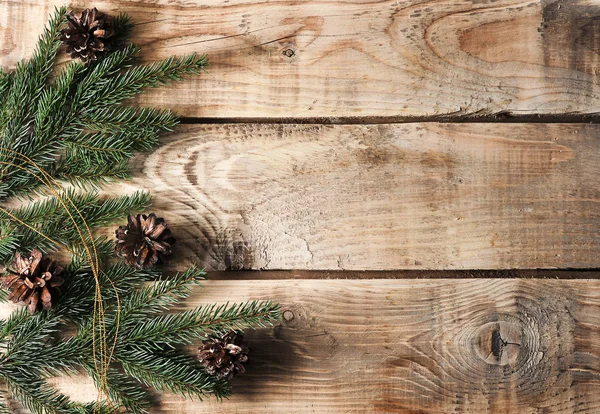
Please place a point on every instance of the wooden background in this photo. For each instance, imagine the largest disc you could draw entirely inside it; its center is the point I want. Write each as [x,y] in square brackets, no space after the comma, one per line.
[387,171]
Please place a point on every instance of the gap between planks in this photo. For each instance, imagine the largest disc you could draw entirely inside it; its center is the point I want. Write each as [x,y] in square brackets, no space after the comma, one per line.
[404,274]
[497,118]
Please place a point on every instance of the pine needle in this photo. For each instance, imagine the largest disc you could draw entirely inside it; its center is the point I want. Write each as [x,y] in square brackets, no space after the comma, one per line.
[76,128]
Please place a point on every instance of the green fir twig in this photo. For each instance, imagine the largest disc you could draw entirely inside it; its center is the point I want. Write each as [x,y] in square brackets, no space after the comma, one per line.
[74,126]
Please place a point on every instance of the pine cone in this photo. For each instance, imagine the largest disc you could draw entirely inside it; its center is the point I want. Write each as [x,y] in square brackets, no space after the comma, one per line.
[224,357]
[145,241]
[89,36]
[32,279]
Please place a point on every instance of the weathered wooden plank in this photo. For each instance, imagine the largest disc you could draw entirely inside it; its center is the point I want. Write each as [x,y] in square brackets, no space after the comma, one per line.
[421,346]
[383,197]
[357,58]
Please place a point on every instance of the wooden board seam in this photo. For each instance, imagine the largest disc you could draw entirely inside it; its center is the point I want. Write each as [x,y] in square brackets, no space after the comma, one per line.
[499,118]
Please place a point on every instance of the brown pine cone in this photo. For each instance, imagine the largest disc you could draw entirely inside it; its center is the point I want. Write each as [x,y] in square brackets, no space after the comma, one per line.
[144,241]
[224,357]
[34,281]
[88,36]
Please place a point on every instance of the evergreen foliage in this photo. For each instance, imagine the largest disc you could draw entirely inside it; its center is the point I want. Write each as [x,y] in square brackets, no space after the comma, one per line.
[73,126]
[76,127]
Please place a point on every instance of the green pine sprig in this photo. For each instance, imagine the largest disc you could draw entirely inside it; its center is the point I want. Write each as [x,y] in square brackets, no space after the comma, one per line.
[74,126]
[148,342]
[49,217]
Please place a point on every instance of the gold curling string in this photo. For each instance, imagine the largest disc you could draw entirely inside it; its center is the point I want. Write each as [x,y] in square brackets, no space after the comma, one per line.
[99,311]
[98,305]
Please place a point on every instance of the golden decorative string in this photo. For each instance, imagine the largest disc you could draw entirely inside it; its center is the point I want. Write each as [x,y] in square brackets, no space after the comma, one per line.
[99,312]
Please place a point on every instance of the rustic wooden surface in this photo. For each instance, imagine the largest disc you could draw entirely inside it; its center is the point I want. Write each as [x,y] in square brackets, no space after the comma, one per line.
[420,346]
[388,58]
[379,197]
[325,201]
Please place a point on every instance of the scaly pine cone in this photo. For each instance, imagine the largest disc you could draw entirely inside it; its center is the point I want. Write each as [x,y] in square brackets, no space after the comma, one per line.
[224,357]
[34,281]
[88,36]
[144,241]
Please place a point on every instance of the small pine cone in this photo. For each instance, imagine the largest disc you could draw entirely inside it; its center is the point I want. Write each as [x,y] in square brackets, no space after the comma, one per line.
[34,281]
[144,241]
[224,357]
[88,36]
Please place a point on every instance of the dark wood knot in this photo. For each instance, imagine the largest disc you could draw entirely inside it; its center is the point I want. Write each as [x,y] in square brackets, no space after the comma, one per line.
[288,52]
[288,315]
[230,249]
[499,343]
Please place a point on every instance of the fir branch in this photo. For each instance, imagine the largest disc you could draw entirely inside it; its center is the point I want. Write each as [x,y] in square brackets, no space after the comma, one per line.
[60,357]
[76,129]
[105,248]
[42,121]
[66,127]
[142,126]
[49,217]
[116,208]
[98,147]
[122,390]
[162,294]
[32,392]
[101,71]
[122,27]
[30,333]
[9,243]
[42,61]
[30,78]
[87,175]
[96,407]
[39,211]
[52,102]
[119,119]
[14,321]
[172,371]
[185,327]
[27,344]
[79,298]
[5,81]
[3,406]
[130,83]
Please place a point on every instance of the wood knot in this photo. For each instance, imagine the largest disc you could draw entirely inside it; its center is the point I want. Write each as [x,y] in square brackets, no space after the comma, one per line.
[230,249]
[521,347]
[499,343]
[288,52]
[288,315]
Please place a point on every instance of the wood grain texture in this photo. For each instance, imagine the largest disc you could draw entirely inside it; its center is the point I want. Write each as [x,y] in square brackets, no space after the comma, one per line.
[420,346]
[384,197]
[388,58]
